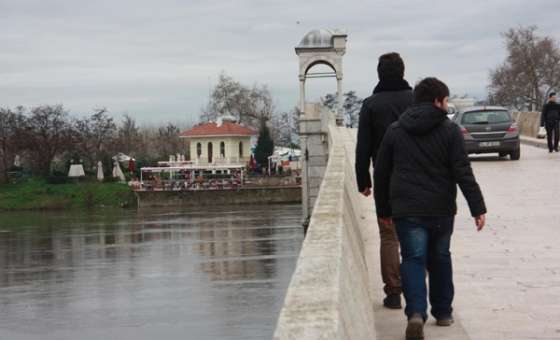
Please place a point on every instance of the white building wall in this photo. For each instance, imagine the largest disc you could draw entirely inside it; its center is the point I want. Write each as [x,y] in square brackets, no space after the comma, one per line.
[231,149]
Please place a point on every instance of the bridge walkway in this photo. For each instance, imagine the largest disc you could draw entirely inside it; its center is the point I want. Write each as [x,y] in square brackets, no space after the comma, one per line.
[507,277]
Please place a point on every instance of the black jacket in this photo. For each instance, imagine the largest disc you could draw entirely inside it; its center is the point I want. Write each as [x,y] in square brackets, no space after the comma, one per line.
[378,111]
[420,162]
[550,113]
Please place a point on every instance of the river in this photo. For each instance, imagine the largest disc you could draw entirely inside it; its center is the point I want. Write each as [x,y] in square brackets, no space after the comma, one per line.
[220,273]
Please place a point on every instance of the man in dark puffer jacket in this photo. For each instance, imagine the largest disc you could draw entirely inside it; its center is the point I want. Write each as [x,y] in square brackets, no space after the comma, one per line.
[390,98]
[420,162]
[550,119]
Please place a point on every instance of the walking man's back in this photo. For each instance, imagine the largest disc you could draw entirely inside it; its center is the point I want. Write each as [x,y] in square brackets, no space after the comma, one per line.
[420,162]
[550,119]
[389,100]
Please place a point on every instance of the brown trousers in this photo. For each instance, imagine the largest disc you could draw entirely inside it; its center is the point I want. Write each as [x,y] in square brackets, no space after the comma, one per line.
[390,261]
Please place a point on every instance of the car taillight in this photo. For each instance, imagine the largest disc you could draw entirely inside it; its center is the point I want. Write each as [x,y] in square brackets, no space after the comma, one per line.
[513,128]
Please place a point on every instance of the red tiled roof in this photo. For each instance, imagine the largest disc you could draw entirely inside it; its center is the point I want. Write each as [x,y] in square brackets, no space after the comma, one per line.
[212,129]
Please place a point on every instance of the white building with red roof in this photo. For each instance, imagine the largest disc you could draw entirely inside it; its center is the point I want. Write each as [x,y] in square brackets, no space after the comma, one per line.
[220,143]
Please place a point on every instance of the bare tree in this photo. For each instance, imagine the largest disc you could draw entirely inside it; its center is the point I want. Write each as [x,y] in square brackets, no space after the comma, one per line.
[10,141]
[330,101]
[222,99]
[46,133]
[103,130]
[350,106]
[250,106]
[167,141]
[530,71]
[261,107]
[94,135]
[129,136]
[284,128]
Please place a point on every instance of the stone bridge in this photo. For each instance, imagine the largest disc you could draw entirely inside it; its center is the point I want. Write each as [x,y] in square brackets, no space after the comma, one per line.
[507,277]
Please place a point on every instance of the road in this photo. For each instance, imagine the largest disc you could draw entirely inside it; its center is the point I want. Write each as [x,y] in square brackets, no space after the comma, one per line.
[507,277]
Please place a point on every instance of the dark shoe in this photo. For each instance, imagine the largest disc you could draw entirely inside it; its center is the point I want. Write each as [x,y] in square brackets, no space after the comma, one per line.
[392,301]
[445,321]
[415,327]
[549,151]
[555,150]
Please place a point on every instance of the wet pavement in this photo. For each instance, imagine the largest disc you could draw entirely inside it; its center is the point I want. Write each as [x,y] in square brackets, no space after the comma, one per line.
[221,273]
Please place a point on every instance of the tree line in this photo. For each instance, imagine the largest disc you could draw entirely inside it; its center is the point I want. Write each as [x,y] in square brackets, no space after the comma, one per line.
[47,139]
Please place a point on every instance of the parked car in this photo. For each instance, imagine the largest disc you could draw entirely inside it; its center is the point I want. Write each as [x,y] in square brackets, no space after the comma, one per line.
[451,111]
[489,129]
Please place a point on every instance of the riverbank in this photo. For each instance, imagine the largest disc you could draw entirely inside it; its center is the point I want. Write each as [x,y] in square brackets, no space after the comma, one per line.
[244,195]
[37,194]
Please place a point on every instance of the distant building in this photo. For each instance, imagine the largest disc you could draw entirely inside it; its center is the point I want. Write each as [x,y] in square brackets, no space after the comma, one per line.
[462,102]
[220,143]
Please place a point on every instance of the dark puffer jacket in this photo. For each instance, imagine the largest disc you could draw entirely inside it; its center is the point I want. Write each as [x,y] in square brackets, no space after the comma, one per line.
[419,164]
[378,112]
[550,113]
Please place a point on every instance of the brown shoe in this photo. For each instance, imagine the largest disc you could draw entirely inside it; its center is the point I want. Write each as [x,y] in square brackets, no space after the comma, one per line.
[392,301]
[415,327]
[445,321]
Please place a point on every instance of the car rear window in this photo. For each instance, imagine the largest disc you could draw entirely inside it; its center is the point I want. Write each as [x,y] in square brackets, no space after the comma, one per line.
[486,117]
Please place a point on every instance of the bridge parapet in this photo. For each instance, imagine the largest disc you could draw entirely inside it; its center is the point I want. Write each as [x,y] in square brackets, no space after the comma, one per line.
[313,132]
[529,123]
[328,297]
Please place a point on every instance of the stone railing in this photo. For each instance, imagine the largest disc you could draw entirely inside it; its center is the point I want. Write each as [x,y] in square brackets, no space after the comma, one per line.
[329,294]
[528,122]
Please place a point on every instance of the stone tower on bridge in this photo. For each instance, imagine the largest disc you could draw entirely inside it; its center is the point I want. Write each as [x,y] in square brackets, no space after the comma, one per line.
[326,47]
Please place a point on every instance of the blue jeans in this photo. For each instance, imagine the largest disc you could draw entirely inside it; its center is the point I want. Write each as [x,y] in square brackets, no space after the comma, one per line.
[425,245]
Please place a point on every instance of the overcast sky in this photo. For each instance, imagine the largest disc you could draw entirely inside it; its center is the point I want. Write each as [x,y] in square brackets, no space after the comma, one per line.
[157,59]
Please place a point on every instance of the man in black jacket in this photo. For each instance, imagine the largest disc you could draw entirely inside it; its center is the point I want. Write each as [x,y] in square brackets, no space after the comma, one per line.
[390,98]
[550,119]
[420,162]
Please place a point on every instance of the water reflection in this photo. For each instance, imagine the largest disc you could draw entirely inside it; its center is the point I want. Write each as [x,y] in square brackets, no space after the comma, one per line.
[217,274]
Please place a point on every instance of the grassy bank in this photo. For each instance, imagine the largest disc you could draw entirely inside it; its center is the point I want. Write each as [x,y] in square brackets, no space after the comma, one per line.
[37,194]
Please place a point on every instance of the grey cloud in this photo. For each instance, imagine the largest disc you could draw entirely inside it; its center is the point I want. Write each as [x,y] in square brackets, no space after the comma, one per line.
[154,59]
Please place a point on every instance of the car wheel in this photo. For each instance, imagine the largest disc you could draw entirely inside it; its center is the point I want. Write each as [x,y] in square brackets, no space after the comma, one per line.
[515,155]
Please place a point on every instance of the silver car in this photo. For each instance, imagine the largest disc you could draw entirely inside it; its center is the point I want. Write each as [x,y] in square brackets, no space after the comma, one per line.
[489,129]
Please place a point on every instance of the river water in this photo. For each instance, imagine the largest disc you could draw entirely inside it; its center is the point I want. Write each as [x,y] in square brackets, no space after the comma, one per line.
[221,273]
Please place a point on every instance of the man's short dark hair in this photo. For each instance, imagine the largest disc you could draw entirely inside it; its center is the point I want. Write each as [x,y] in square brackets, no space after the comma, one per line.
[390,66]
[551,94]
[430,89]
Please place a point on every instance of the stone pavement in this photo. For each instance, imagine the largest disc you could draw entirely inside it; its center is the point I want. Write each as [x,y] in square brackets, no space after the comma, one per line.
[507,277]
[537,142]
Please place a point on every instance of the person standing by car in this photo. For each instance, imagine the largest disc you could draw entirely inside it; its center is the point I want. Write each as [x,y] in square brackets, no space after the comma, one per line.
[550,119]
[421,160]
[389,100]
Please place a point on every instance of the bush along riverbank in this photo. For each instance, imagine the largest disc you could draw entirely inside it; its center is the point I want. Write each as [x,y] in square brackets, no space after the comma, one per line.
[38,194]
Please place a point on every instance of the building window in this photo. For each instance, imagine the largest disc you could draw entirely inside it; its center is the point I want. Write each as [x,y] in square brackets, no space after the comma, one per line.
[198,150]
[210,152]
[223,149]
[240,149]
